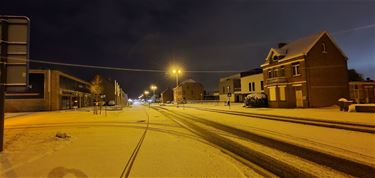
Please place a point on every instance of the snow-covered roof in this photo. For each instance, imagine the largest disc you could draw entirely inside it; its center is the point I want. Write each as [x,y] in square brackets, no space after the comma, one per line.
[188,81]
[300,46]
[234,76]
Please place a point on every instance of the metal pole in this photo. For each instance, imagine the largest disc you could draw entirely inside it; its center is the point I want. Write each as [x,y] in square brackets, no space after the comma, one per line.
[3,77]
[176,80]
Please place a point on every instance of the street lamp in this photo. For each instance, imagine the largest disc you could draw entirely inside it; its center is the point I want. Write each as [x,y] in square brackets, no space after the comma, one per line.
[146,93]
[153,88]
[176,72]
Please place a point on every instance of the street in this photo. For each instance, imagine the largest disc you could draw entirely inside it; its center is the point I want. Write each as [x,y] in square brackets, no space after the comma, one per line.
[187,141]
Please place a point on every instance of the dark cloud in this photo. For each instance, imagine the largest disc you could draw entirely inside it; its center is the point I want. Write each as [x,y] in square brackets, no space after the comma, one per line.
[200,35]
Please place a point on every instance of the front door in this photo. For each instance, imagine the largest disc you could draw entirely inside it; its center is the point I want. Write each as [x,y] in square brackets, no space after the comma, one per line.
[299,99]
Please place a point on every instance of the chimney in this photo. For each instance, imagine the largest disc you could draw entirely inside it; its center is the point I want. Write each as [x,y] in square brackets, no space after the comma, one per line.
[280,45]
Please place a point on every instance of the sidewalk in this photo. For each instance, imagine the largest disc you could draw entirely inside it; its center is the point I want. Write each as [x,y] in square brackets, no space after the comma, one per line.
[332,113]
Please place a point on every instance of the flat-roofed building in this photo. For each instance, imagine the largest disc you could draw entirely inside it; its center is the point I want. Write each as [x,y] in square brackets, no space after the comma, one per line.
[50,90]
[252,82]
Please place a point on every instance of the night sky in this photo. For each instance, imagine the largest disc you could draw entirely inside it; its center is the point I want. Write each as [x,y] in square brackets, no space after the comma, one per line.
[213,35]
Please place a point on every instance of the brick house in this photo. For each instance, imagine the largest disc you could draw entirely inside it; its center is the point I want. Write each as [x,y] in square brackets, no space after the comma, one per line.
[309,72]
[189,90]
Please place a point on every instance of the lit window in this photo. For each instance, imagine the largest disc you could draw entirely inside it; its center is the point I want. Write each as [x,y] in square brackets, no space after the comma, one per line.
[282,93]
[272,93]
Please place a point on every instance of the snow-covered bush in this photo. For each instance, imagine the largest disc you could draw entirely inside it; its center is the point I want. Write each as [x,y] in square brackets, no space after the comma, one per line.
[256,100]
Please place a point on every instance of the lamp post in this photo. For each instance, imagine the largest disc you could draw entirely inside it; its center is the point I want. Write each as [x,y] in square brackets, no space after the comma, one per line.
[153,88]
[176,72]
[146,94]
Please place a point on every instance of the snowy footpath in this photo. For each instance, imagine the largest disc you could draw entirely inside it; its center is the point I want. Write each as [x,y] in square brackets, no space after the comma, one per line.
[332,113]
[108,145]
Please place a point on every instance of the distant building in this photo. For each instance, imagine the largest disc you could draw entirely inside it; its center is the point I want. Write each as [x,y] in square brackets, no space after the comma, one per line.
[362,91]
[252,82]
[113,92]
[309,72]
[189,90]
[212,96]
[229,88]
[50,90]
[166,95]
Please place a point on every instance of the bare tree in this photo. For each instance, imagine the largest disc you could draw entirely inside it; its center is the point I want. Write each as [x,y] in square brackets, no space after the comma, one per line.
[354,75]
[96,89]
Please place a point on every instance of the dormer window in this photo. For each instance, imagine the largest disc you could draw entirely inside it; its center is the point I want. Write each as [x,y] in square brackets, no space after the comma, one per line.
[275,58]
[324,49]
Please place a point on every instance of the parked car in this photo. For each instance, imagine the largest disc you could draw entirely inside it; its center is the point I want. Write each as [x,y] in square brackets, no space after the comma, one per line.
[111,103]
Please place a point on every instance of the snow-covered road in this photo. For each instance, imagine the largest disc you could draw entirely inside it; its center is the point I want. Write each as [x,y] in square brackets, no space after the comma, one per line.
[181,142]
[101,146]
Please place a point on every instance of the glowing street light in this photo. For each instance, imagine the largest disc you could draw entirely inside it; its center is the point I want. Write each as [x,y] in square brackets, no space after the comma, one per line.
[153,88]
[176,72]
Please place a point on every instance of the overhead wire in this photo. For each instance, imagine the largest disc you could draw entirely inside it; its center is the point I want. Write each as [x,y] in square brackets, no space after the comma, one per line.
[158,70]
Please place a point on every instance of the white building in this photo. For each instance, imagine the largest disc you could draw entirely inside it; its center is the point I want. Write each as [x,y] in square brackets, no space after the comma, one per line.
[252,82]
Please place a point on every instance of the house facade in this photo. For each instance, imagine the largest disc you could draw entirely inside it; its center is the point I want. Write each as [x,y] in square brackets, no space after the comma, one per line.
[252,82]
[309,72]
[188,90]
[362,91]
[50,90]
[230,88]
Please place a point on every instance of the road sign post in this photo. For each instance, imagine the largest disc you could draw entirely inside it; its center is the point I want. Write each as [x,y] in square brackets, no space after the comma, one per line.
[14,55]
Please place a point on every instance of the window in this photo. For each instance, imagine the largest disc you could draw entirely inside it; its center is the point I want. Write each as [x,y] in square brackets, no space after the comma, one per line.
[275,58]
[272,93]
[324,49]
[282,71]
[295,69]
[269,73]
[253,86]
[275,72]
[250,89]
[223,89]
[261,85]
[282,93]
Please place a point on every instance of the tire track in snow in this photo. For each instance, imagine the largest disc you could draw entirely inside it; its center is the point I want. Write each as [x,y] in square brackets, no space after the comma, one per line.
[130,162]
[261,163]
[347,166]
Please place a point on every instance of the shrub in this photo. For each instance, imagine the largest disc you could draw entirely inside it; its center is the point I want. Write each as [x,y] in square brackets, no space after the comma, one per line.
[256,100]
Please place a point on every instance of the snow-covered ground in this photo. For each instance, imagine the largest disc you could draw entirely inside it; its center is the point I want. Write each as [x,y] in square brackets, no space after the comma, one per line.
[326,113]
[101,145]
[349,144]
